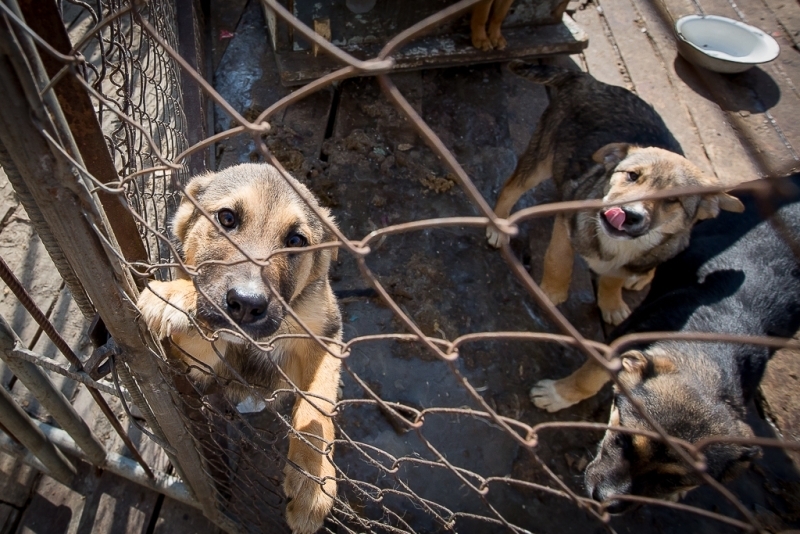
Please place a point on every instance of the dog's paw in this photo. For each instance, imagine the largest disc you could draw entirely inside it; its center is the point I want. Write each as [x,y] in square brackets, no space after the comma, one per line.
[310,503]
[616,314]
[495,237]
[481,41]
[557,295]
[166,306]
[497,40]
[545,396]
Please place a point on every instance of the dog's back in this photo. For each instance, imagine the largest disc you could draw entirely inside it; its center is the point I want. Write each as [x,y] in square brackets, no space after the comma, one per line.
[586,116]
[740,276]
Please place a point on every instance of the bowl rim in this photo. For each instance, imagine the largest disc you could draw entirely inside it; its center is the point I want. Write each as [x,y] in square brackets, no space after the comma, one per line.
[772,44]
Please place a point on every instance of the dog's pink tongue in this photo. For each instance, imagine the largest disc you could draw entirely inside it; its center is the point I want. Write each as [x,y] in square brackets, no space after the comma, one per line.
[615,217]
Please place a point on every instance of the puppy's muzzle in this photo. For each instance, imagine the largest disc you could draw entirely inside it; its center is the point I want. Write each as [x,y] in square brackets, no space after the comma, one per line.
[625,221]
[246,306]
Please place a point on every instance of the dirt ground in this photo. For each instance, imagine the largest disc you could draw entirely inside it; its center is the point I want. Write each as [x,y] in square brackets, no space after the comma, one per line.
[352,148]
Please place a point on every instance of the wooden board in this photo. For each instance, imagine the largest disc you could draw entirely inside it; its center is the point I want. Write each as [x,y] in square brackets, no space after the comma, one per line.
[728,157]
[178,518]
[602,59]
[747,98]
[70,323]
[647,69]
[116,506]
[8,516]
[16,481]
[300,67]
[54,508]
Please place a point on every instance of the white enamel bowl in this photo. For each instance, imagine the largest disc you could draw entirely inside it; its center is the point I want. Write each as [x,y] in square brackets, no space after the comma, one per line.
[722,44]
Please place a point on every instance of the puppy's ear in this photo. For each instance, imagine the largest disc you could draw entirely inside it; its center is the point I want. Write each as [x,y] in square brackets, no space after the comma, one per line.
[611,154]
[710,205]
[329,235]
[185,214]
[635,366]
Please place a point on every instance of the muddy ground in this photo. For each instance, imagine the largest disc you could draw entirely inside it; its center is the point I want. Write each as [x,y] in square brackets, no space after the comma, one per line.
[364,161]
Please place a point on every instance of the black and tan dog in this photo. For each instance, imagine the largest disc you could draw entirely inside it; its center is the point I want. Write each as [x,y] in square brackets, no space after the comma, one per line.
[740,276]
[256,212]
[598,141]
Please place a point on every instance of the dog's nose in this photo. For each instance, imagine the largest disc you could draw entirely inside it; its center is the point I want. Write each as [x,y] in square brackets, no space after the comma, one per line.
[635,221]
[246,307]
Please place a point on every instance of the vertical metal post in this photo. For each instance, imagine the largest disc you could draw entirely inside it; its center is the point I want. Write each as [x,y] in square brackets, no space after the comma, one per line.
[49,396]
[76,222]
[23,430]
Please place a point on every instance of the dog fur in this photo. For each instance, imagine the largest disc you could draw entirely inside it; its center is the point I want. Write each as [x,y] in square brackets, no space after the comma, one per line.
[487,37]
[598,141]
[230,298]
[739,275]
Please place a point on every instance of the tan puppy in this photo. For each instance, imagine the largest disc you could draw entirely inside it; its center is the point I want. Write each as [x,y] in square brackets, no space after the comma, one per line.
[257,213]
[602,142]
[481,39]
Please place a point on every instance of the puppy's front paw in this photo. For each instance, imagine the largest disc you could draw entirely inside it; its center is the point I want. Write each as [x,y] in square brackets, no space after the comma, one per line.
[495,237]
[545,396]
[497,39]
[310,503]
[166,307]
[481,41]
[615,314]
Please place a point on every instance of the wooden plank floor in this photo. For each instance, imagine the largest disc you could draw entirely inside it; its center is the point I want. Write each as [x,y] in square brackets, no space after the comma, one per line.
[737,127]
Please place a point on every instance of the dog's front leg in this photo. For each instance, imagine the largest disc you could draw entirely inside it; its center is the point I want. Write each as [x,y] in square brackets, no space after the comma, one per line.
[555,395]
[480,15]
[316,373]
[558,261]
[609,299]
[499,12]
[167,306]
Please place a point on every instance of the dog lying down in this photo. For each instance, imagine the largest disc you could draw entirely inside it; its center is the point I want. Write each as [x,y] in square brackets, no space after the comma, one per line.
[738,276]
[256,211]
[598,141]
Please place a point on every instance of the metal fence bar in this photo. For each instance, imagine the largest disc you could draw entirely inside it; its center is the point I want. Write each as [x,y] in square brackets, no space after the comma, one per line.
[125,467]
[15,449]
[64,201]
[49,396]
[197,435]
[17,422]
[44,19]
[25,299]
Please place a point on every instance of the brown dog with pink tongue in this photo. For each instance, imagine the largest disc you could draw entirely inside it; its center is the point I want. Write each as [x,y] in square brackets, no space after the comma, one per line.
[602,142]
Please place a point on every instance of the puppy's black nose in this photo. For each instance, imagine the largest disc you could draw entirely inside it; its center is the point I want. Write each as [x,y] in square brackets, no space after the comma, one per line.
[635,221]
[246,307]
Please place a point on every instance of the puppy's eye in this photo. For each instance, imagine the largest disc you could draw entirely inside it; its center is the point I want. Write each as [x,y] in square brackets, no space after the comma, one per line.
[632,176]
[672,200]
[296,240]
[227,219]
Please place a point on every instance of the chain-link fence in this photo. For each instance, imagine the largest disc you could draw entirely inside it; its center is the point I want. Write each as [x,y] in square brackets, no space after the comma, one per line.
[125,59]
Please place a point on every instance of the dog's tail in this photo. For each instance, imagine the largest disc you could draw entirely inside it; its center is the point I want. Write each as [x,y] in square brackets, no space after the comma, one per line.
[543,74]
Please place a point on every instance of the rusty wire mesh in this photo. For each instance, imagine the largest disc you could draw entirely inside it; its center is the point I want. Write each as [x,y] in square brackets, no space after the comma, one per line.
[130,75]
[131,71]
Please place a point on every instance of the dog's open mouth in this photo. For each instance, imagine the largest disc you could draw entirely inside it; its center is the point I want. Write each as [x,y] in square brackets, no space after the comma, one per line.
[622,223]
[615,228]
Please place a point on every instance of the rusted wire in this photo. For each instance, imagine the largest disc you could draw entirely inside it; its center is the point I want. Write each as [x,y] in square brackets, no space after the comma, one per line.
[25,299]
[148,139]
